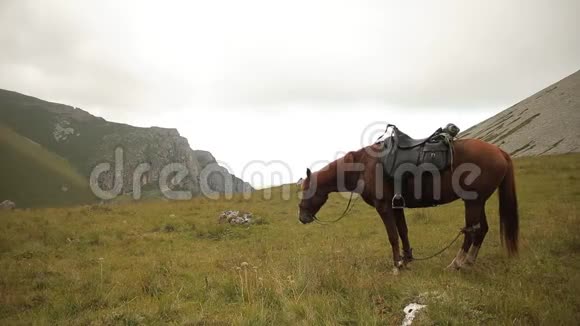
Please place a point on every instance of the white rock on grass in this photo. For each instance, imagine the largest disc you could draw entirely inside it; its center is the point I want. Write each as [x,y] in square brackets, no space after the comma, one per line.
[411,311]
[235,217]
[7,204]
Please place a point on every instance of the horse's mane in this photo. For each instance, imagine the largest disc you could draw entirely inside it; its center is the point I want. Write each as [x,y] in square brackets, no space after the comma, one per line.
[328,174]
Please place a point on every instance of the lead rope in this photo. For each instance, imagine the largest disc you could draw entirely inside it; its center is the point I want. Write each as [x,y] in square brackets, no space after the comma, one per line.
[442,250]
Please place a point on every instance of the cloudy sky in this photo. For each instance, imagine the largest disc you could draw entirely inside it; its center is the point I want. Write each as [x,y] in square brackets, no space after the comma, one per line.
[295,81]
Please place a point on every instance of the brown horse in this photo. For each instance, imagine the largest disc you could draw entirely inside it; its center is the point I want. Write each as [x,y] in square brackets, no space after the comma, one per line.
[360,172]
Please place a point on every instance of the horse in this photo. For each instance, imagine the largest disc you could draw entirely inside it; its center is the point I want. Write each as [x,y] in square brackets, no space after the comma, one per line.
[360,172]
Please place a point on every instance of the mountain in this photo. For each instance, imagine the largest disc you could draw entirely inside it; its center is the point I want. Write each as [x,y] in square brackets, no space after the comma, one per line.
[35,177]
[545,123]
[85,141]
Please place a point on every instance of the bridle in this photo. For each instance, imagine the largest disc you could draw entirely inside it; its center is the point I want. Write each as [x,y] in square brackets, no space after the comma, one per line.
[346,211]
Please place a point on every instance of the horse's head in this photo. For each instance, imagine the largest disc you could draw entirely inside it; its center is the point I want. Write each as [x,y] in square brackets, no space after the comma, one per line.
[312,198]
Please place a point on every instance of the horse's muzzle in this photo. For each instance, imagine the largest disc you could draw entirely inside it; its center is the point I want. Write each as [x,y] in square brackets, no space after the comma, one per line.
[306,218]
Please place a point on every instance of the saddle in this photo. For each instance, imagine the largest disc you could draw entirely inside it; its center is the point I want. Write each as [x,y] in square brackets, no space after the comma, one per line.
[402,155]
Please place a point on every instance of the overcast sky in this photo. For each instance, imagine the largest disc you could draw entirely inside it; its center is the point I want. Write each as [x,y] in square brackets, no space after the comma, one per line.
[296,81]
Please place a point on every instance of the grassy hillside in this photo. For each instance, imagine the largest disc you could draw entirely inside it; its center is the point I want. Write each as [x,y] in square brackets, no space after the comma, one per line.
[170,262]
[34,177]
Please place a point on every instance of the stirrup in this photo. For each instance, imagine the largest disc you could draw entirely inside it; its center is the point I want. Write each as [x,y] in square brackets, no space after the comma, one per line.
[398,202]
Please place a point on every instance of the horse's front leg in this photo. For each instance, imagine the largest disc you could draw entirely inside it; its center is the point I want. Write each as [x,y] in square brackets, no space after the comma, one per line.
[404,234]
[388,217]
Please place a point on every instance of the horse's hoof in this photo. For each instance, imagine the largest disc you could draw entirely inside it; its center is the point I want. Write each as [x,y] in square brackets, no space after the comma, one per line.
[454,266]
[407,256]
[407,259]
[396,271]
[470,260]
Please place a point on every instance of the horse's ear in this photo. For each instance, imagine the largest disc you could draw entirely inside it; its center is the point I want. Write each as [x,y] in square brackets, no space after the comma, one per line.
[308,173]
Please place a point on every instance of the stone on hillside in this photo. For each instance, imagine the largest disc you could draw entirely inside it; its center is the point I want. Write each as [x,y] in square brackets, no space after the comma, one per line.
[235,217]
[7,204]
[62,130]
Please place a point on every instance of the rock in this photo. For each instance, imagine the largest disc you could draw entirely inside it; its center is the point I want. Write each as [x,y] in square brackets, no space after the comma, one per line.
[62,131]
[235,217]
[7,204]
[411,311]
[160,147]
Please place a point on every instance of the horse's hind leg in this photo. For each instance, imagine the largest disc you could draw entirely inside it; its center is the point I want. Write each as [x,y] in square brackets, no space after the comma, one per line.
[472,216]
[404,234]
[478,236]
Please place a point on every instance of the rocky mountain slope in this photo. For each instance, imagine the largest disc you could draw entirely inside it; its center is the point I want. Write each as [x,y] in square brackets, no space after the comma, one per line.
[545,123]
[85,141]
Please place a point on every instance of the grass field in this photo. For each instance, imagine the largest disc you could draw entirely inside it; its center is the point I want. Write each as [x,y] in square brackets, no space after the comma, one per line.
[171,262]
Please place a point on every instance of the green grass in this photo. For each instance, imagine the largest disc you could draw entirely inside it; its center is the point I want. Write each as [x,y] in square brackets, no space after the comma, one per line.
[33,176]
[170,262]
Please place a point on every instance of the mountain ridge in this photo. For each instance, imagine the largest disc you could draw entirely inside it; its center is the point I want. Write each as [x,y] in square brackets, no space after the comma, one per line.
[545,123]
[86,140]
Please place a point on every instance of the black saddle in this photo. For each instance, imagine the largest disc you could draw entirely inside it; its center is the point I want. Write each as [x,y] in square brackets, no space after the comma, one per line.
[407,142]
[403,155]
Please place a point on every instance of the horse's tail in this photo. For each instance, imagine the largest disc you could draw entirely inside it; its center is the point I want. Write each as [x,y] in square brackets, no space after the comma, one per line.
[508,209]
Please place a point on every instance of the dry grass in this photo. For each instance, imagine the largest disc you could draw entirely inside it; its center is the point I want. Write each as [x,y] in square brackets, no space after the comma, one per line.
[160,262]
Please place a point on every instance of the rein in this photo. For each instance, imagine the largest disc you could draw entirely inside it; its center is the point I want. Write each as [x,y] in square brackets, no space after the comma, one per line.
[346,211]
[461,231]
